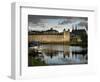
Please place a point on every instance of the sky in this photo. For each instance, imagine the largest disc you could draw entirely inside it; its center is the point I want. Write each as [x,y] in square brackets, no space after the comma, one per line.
[41,23]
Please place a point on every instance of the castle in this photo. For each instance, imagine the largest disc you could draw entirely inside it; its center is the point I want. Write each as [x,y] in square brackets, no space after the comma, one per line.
[49,36]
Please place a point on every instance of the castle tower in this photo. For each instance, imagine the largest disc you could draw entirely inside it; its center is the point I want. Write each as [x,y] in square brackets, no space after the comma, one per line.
[66,35]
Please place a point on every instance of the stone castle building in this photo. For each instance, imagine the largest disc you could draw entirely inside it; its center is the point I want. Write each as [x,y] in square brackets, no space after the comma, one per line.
[49,36]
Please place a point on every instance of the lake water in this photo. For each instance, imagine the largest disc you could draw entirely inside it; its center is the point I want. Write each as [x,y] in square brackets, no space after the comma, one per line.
[61,55]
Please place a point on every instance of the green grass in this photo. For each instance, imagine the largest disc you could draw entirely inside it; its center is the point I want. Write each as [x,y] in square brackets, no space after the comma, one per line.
[38,62]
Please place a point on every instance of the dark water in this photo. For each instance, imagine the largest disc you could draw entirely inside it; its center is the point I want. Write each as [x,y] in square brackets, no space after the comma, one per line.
[50,54]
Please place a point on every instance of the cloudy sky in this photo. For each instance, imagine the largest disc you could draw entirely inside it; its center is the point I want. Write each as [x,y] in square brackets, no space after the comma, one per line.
[40,23]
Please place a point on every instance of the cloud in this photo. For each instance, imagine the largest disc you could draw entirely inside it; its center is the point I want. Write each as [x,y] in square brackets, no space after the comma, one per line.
[72,20]
[66,22]
[83,23]
[58,22]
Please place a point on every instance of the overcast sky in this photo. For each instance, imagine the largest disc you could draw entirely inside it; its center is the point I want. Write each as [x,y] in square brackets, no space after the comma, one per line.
[40,23]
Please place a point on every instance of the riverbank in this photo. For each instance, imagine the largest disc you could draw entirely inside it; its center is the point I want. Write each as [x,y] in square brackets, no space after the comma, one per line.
[84,44]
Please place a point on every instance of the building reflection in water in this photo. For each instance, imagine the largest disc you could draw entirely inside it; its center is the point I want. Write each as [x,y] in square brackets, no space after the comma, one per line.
[62,55]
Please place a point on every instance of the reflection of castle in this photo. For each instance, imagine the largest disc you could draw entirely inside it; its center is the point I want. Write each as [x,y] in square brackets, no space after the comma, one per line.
[49,36]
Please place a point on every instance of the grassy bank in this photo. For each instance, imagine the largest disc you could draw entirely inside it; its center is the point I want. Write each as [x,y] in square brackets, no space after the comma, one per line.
[84,44]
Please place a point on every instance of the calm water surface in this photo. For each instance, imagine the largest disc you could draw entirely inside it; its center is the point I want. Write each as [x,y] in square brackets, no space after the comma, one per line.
[62,54]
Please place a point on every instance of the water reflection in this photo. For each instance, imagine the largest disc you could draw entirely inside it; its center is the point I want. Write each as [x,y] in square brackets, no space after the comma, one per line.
[59,54]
